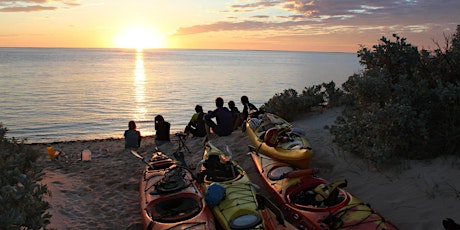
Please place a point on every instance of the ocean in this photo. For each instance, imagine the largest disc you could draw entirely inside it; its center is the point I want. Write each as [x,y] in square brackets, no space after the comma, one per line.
[60,94]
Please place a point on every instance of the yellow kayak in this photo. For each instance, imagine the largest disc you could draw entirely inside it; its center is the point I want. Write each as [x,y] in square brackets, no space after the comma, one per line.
[273,136]
[237,206]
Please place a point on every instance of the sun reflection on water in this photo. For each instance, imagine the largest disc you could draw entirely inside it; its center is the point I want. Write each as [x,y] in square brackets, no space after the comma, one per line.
[141,112]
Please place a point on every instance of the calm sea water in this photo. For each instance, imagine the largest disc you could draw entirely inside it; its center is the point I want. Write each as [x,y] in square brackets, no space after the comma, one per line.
[79,94]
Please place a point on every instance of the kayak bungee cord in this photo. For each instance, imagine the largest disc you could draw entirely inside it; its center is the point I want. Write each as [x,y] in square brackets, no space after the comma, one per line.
[336,218]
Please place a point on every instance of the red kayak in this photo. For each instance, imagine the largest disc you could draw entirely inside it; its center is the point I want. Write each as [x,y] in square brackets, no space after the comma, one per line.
[314,203]
[170,198]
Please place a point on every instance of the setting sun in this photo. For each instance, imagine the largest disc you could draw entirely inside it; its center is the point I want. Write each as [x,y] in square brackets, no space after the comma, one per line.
[139,38]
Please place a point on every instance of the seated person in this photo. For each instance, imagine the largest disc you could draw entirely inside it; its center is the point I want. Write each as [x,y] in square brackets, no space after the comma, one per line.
[162,128]
[237,121]
[132,136]
[196,124]
[224,126]
[248,107]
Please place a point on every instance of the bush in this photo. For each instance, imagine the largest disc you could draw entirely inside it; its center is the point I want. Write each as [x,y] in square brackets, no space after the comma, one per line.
[21,196]
[284,104]
[405,103]
[289,104]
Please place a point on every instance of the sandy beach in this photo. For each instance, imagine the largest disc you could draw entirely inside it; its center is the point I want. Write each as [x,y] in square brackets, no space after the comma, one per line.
[103,193]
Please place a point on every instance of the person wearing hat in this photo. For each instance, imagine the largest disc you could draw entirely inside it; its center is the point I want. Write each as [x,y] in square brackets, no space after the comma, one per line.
[196,124]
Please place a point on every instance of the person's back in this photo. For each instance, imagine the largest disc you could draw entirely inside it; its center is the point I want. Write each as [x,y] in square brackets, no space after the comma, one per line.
[237,121]
[132,136]
[196,125]
[247,107]
[162,128]
[224,119]
[200,126]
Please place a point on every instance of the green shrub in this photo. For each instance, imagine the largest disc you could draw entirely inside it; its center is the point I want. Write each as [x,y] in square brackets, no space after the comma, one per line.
[289,104]
[21,196]
[405,104]
[333,95]
[285,104]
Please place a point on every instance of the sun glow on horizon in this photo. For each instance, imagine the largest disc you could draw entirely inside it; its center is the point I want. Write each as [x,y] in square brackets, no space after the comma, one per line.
[139,38]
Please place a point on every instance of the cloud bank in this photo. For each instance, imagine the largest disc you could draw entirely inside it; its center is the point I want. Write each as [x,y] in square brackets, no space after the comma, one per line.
[14,6]
[335,16]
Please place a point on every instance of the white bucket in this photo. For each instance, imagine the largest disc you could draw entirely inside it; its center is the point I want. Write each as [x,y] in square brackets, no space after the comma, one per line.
[86,155]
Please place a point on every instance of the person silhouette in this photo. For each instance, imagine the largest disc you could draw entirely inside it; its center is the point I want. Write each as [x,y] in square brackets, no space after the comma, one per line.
[224,119]
[196,126]
[162,129]
[237,120]
[248,107]
[132,136]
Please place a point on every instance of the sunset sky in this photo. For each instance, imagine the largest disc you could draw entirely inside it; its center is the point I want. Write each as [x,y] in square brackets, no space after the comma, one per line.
[303,25]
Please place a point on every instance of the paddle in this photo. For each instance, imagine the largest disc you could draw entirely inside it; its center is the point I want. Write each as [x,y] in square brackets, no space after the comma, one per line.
[180,157]
[140,157]
[263,202]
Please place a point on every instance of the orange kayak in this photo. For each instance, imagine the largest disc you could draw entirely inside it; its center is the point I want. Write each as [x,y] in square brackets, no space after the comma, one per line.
[313,203]
[170,198]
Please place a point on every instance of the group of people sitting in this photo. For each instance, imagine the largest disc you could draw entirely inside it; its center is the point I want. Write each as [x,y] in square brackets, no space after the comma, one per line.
[226,119]
[201,124]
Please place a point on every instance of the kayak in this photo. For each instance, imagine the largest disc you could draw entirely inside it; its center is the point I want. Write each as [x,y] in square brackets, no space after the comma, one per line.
[231,195]
[170,197]
[313,203]
[273,136]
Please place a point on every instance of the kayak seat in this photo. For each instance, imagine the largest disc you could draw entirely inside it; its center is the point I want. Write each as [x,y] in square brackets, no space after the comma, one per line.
[278,173]
[218,171]
[174,209]
[171,182]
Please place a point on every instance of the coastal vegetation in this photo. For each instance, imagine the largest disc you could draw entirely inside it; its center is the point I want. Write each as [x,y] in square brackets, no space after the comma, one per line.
[21,195]
[289,104]
[405,104]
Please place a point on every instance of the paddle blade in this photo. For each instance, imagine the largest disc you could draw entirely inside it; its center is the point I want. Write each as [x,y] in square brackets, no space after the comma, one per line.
[137,155]
[301,173]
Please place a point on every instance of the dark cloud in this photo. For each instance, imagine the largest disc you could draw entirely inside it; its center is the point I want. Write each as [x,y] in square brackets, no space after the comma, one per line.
[260,16]
[221,26]
[35,8]
[245,25]
[8,6]
[256,4]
